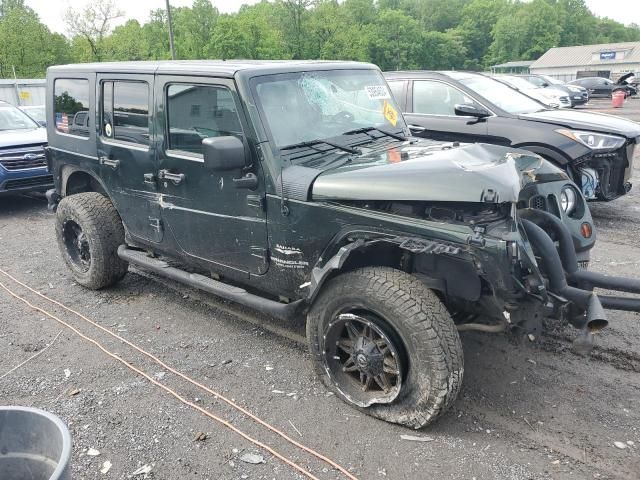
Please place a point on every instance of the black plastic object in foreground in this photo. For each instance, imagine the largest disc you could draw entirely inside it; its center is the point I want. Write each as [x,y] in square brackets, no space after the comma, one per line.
[34,445]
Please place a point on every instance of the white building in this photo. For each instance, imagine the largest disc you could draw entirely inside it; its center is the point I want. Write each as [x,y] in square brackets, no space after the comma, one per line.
[610,60]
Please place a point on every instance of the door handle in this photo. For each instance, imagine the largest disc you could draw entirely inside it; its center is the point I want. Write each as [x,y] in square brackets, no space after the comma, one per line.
[176,178]
[249,181]
[416,128]
[109,162]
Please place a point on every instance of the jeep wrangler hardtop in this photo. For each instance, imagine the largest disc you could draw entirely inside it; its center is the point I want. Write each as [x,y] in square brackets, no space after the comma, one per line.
[294,188]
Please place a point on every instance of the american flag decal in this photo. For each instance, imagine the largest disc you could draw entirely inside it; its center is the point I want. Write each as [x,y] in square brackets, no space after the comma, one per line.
[62,122]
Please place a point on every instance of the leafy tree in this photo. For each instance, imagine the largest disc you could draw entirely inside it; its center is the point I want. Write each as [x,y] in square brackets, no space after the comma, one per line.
[26,44]
[394,41]
[126,42]
[193,28]
[92,23]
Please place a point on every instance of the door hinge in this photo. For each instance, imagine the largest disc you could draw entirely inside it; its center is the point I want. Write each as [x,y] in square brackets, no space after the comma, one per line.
[256,201]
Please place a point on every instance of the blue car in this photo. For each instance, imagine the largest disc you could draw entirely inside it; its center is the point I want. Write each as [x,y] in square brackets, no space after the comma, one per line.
[23,165]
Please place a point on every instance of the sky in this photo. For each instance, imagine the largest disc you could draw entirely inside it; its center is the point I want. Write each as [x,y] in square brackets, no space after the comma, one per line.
[51,12]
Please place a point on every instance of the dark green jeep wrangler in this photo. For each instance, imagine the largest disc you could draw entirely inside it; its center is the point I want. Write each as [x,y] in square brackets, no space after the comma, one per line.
[294,188]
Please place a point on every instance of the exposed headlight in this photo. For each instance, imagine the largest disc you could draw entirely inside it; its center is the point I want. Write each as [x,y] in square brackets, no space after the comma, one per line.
[568,200]
[574,89]
[593,140]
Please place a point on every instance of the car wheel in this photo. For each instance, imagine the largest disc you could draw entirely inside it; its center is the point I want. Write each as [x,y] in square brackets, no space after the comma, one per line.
[89,231]
[384,343]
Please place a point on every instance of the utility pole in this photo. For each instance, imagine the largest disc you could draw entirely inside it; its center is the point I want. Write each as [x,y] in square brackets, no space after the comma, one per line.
[173,50]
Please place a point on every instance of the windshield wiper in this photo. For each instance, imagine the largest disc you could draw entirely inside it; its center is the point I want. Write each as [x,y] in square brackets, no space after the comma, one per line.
[312,143]
[397,136]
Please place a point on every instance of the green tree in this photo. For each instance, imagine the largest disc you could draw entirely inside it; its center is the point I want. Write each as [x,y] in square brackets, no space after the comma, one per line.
[126,42]
[26,44]
[475,31]
[92,24]
[394,41]
[526,31]
[193,28]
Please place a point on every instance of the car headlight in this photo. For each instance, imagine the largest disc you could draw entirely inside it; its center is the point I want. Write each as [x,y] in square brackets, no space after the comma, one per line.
[574,89]
[568,200]
[593,140]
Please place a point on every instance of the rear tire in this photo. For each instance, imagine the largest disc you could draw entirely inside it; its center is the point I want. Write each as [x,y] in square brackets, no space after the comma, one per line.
[410,322]
[89,231]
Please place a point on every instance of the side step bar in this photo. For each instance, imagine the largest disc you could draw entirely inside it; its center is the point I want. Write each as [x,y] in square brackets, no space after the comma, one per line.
[285,311]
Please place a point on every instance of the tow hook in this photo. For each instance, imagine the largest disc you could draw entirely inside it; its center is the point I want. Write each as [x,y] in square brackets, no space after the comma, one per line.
[53,198]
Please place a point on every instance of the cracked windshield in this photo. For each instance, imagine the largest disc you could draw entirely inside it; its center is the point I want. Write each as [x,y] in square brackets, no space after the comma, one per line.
[308,106]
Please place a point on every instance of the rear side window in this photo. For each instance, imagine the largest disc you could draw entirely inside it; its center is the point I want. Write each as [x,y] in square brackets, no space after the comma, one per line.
[125,111]
[196,112]
[71,106]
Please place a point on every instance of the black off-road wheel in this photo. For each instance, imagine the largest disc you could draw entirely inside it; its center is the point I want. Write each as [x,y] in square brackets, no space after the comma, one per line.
[384,343]
[89,232]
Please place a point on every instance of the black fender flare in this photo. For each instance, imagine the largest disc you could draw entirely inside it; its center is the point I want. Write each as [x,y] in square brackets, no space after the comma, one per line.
[338,252]
[68,170]
[551,154]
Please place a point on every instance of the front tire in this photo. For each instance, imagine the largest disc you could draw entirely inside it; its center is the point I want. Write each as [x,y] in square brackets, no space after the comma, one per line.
[384,343]
[89,232]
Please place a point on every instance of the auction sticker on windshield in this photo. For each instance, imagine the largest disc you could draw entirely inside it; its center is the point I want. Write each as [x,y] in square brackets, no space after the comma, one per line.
[377,92]
[390,113]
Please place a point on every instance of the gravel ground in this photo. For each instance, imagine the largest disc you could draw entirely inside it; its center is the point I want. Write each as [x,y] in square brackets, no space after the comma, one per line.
[525,412]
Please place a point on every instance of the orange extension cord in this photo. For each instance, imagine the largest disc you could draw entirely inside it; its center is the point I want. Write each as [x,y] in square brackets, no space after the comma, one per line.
[183,376]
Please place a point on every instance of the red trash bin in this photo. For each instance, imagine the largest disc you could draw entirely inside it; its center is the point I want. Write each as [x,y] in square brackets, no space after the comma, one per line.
[617,98]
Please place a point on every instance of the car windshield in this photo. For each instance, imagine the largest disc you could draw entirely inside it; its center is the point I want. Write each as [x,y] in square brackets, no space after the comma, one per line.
[518,82]
[37,113]
[501,95]
[320,105]
[551,80]
[13,119]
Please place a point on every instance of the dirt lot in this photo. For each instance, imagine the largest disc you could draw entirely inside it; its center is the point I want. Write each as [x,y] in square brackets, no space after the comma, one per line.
[526,412]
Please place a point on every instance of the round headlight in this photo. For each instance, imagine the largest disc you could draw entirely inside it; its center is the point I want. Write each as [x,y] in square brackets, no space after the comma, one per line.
[568,200]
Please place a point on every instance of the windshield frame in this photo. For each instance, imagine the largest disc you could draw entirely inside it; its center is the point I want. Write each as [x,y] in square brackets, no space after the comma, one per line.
[8,106]
[255,81]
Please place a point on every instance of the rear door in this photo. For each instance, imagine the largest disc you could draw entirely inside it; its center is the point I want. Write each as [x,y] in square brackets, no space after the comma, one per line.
[430,113]
[126,152]
[210,216]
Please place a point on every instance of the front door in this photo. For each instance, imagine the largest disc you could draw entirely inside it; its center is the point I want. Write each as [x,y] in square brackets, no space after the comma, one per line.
[211,217]
[126,154]
[431,106]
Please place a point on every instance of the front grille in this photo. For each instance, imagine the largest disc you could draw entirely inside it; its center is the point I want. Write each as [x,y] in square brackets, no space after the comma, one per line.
[22,183]
[23,158]
[538,202]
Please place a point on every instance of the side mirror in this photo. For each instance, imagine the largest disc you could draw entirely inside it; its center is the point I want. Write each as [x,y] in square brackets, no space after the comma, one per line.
[545,85]
[468,110]
[223,153]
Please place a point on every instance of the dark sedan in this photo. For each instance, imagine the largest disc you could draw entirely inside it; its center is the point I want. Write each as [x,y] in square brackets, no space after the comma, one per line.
[596,150]
[603,87]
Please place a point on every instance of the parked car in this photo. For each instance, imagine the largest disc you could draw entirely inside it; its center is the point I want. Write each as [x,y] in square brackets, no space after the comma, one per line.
[550,97]
[22,160]
[37,112]
[596,150]
[603,87]
[296,186]
[577,94]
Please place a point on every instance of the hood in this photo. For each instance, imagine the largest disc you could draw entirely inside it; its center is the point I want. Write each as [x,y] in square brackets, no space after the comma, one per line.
[625,79]
[467,173]
[598,122]
[18,138]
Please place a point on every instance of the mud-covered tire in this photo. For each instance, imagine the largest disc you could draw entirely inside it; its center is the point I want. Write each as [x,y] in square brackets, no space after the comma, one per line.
[417,319]
[96,264]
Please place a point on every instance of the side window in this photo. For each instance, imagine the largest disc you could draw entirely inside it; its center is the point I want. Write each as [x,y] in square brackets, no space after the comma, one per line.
[436,98]
[196,112]
[71,106]
[397,90]
[125,111]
